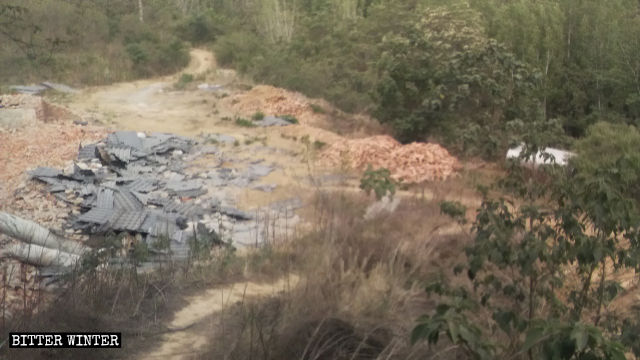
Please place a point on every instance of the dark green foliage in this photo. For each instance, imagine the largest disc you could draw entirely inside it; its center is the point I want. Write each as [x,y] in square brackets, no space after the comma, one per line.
[257,116]
[87,42]
[445,78]
[290,118]
[454,209]
[151,55]
[204,240]
[379,181]
[319,145]
[604,145]
[183,81]
[244,122]
[201,28]
[139,252]
[317,109]
[580,219]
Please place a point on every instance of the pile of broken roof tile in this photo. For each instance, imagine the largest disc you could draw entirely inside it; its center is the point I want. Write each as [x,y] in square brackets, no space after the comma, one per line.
[164,186]
[131,183]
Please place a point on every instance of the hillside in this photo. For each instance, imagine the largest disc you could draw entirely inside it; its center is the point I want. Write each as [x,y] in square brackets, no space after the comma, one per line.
[321,179]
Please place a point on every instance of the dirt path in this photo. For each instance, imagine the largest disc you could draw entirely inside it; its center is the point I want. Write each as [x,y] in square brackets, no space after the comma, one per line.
[154,105]
[193,326]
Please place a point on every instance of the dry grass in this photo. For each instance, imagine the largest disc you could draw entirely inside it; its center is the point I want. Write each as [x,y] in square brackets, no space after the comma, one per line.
[360,289]
[119,299]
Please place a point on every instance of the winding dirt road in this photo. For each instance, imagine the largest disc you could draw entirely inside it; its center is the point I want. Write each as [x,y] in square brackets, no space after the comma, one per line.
[194,325]
[155,105]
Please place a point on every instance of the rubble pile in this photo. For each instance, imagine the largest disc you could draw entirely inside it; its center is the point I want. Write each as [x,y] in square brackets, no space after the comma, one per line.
[275,101]
[143,185]
[8,101]
[17,111]
[51,144]
[411,163]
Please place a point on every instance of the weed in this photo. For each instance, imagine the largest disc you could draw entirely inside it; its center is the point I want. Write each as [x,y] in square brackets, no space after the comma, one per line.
[257,116]
[185,79]
[379,181]
[262,140]
[317,109]
[285,136]
[319,145]
[245,123]
[290,118]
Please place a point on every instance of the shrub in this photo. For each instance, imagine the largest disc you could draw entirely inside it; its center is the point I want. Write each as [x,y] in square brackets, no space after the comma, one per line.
[257,116]
[201,28]
[290,118]
[317,109]
[379,181]
[444,77]
[610,146]
[244,122]
[183,81]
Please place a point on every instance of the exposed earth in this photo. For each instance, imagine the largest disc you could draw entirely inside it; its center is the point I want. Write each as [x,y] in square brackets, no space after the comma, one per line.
[209,104]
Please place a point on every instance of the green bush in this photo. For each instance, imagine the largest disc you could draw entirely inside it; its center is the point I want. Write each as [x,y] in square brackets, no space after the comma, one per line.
[257,116]
[150,57]
[379,181]
[610,146]
[239,49]
[445,78]
[245,123]
[201,28]
[522,252]
[183,81]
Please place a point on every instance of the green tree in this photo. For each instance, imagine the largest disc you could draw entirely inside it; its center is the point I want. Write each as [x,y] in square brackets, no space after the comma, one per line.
[541,263]
[443,77]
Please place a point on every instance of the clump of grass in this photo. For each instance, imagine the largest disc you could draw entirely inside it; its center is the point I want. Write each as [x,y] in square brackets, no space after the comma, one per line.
[290,118]
[251,140]
[257,116]
[317,109]
[285,136]
[319,145]
[245,123]
[361,293]
[225,118]
[184,80]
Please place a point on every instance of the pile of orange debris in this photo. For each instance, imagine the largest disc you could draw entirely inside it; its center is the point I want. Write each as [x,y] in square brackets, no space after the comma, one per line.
[46,144]
[275,101]
[411,163]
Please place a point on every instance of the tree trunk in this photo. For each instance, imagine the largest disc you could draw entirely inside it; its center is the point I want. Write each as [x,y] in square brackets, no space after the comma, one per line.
[140,11]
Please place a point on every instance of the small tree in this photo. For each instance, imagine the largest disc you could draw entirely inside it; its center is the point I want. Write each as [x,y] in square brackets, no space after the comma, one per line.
[379,181]
[540,263]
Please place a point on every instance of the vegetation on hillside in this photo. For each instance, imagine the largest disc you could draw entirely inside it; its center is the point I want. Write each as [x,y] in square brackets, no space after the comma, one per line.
[86,42]
[470,74]
[534,272]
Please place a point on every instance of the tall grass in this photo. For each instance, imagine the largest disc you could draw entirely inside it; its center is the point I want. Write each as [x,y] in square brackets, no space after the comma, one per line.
[360,288]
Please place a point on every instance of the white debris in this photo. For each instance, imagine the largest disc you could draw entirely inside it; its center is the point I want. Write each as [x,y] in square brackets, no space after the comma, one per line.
[545,156]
